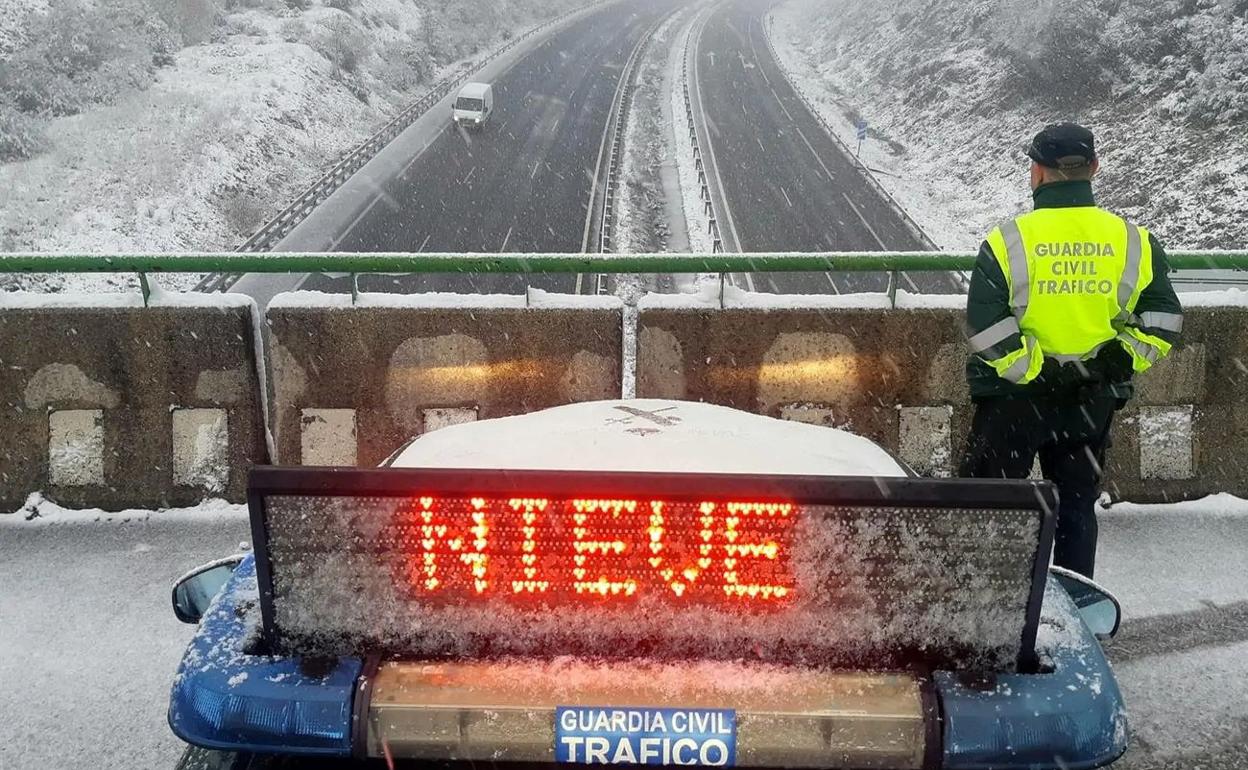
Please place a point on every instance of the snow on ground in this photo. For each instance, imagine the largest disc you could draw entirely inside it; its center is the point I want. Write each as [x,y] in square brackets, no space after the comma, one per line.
[1173,571]
[88,640]
[941,85]
[643,210]
[1187,710]
[11,13]
[230,133]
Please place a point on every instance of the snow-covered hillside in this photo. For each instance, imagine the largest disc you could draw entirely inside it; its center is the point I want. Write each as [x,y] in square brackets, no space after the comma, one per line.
[189,136]
[953,89]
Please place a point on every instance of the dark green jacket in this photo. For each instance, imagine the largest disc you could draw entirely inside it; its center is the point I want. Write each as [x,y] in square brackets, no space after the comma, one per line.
[988,300]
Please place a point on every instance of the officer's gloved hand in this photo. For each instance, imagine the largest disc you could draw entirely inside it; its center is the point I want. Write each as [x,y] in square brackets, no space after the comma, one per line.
[1113,363]
[1065,379]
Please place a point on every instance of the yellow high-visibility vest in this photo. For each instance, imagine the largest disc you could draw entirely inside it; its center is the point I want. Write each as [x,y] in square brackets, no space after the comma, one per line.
[1074,275]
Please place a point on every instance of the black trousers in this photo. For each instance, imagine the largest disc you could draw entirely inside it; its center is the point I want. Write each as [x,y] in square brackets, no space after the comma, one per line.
[1071,438]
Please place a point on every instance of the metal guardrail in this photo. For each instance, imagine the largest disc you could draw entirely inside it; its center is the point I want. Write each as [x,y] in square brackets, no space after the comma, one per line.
[717,241]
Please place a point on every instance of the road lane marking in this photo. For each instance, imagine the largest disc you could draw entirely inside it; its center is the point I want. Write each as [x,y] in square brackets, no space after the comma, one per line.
[351,227]
[421,151]
[781,103]
[761,69]
[865,223]
[818,159]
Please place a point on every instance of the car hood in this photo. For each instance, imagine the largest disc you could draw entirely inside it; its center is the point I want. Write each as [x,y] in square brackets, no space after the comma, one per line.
[650,435]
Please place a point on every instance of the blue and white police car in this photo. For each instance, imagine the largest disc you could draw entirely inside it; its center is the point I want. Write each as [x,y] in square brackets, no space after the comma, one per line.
[645,582]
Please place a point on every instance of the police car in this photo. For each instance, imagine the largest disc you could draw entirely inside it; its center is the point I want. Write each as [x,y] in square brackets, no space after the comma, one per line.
[645,582]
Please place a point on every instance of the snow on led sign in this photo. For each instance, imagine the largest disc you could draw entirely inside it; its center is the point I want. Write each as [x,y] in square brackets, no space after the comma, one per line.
[428,573]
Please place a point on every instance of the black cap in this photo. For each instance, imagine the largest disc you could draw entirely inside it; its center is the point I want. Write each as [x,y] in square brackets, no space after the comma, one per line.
[1064,146]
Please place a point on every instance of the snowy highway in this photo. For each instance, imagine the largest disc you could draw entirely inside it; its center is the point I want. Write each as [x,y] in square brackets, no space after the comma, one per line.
[88,642]
[788,185]
[525,182]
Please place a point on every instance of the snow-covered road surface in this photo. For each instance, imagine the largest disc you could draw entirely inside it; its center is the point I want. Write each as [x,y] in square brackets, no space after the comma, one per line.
[88,643]
[88,640]
[1182,655]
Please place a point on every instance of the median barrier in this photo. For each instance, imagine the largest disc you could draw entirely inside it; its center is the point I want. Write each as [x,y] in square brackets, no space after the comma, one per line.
[354,382]
[105,403]
[896,375]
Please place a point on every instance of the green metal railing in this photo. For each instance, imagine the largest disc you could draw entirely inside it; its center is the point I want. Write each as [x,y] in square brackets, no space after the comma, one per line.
[353,264]
[232,262]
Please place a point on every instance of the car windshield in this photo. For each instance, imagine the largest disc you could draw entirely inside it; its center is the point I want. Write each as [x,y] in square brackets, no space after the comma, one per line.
[470,104]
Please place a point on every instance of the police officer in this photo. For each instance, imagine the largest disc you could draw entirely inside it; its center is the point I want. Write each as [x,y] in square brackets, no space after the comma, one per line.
[1066,304]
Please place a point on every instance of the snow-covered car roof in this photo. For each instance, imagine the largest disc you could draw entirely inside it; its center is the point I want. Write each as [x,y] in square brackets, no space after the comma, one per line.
[649,436]
[474,90]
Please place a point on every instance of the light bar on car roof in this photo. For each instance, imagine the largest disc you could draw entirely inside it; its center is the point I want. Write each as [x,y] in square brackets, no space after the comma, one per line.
[866,573]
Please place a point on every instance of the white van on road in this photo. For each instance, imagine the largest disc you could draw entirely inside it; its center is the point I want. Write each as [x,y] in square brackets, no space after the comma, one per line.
[474,105]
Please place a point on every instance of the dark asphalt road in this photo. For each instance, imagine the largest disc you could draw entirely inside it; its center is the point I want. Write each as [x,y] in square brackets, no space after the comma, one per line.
[522,184]
[789,186]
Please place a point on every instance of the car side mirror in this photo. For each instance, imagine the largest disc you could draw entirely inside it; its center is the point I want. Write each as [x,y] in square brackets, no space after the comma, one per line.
[1099,609]
[194,591]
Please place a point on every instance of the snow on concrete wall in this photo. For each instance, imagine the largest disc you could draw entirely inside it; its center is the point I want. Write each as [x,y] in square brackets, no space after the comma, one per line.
[126,407]
[327,437]
[407,370]
[123,406]
[896,376]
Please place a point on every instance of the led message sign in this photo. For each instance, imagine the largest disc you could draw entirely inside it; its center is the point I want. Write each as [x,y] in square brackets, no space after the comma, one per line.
[582,548]
[445,563]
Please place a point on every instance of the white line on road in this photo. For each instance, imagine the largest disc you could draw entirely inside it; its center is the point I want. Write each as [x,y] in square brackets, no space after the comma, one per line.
[759,61]
[781,103]
[351,227]
[416,157]
[811,147]
[865,223]
[506,239]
